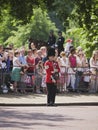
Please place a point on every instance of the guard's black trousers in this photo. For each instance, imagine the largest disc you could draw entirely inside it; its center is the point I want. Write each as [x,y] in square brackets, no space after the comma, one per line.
[51,93]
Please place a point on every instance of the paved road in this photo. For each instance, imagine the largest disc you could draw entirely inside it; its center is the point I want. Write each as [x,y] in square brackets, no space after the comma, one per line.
[49,118]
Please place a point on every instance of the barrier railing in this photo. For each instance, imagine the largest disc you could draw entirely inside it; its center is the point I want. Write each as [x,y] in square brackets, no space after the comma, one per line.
[78,79]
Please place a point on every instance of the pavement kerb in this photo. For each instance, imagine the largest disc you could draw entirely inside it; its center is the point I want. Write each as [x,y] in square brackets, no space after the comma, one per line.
[57,104]
[66,99]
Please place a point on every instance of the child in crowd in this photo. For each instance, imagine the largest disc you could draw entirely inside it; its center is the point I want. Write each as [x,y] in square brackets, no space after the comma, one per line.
[38,76]
[86,77]
[43,85]
[23,73]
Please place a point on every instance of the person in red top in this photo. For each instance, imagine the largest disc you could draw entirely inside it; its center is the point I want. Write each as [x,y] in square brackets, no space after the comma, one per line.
[51,67]
[30,61]
[72,69]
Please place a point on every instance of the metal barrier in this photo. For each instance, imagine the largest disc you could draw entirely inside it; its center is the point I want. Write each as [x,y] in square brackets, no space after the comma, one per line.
[70,79]
[78,79]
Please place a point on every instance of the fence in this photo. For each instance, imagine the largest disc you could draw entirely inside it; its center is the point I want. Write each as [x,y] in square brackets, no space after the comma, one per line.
[70,79]
[78,79]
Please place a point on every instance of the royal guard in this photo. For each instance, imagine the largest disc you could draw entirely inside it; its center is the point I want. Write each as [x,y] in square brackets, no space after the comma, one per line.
[51,67]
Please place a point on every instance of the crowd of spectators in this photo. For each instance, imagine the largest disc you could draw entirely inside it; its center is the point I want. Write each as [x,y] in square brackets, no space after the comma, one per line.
[23,68]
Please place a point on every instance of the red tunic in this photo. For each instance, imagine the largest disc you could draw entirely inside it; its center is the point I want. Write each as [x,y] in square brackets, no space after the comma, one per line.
[49,66]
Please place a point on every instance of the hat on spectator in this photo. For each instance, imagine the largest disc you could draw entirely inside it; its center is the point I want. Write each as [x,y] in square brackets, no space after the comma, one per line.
[51,52]
[69,40]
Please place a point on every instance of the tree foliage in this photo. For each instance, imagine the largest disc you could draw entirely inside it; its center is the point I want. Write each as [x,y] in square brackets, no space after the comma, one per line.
[21,9]
[38,28]
[77,14]
[79,19]
[7,24]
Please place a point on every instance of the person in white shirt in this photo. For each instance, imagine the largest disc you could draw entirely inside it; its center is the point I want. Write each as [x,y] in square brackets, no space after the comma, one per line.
[81,60]
[15,76]
[68,45]
[94,70]
[63,64]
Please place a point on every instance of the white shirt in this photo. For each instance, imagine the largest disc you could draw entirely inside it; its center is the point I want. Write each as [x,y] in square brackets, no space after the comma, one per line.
[67,47]
[15,64]
[64,65]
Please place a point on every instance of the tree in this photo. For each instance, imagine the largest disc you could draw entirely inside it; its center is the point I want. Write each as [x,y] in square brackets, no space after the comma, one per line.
[38,28]
[80,14]
[7,24]
[73,14]
[21,9]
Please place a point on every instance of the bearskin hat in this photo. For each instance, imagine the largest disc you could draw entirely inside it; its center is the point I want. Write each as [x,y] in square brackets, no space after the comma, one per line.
[51,52]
